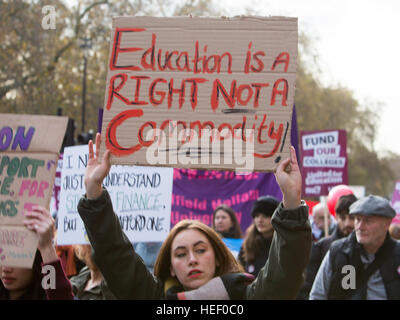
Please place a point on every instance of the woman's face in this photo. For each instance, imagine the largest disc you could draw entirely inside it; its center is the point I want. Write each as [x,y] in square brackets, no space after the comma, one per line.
[192,259]
[263,224]
[222,221]
[16,280]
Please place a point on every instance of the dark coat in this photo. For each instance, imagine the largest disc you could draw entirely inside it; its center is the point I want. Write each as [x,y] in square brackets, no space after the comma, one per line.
[254,267]
[128,277]
[347,251]
[318,252]
[99,292]
[35,291]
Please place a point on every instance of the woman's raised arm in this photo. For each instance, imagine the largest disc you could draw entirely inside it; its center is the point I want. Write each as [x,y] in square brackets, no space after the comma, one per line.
[96,170]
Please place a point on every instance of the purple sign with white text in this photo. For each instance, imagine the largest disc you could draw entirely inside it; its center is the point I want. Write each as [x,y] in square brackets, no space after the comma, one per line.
[323,161]
[196,193]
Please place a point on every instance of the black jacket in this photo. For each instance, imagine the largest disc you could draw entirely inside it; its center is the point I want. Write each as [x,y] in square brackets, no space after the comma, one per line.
[347,251]
[318,252]
[255,266]
[128,277]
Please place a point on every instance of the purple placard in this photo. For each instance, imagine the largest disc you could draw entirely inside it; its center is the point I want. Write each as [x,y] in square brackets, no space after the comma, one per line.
[323,161]
[396,202]
[100,119]
[196,193]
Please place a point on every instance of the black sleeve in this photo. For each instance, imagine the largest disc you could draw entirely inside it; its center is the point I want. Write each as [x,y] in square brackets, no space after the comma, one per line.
[311,271]
[123,269]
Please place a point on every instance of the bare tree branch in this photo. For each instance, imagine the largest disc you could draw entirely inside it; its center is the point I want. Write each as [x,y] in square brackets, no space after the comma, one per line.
[92,6]
[51,67]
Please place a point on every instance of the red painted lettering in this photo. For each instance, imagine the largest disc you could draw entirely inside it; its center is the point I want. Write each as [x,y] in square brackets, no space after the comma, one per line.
[261,128]
[229,99]
[248,58]
[259,62]
[143,142]
[282,58]
[240,92]
[277,136]
[194,89]
[180,91]
[162,94]
[116,49]
[186,66]
[258,87]
[111,133]
[150,51]
[283,91]
[113,91]
[138,82]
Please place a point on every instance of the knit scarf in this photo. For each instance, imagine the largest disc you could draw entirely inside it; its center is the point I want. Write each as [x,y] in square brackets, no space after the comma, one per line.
[231,286]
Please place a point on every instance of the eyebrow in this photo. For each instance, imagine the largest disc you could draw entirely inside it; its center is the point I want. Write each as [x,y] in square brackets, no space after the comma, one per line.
[197,243]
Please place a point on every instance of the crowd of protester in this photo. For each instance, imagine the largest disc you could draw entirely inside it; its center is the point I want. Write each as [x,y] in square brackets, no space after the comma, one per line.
[285,254]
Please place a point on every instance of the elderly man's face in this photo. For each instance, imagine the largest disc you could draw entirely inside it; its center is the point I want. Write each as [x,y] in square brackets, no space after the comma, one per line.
[319,217]
[371,230]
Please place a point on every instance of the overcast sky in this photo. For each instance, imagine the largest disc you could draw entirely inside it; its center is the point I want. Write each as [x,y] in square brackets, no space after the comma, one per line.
[358,43]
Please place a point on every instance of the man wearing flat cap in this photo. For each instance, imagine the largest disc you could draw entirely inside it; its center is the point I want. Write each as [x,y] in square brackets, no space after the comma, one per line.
[366,264]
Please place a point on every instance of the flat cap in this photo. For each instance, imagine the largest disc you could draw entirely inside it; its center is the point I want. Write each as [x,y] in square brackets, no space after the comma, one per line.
[373,206]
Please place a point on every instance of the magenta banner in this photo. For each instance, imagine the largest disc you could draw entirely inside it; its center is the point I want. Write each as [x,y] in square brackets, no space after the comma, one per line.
[196,193]
[396,202]
[323,161]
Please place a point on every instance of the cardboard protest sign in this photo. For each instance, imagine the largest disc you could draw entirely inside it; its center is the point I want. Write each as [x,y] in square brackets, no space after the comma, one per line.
[207,93]
[29,147]
[396,202]
[323,161]
[141,198]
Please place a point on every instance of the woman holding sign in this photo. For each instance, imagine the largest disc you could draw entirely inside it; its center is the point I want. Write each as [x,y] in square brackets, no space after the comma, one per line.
[193,262]
[46,280]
